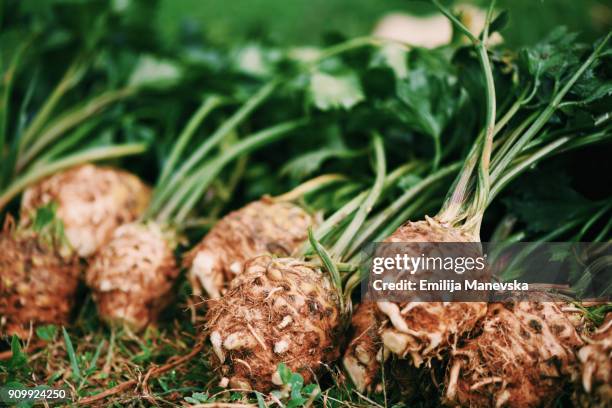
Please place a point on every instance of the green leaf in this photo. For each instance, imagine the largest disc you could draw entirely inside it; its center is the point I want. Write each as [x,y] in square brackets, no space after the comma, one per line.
[542,208]
[297,402]
[284,372]
[18,360]
[296,382]
[46,333]
[335,91]
[500,22]
[45,215]
[310,389]
[76,372]
[197,397]
[260,401]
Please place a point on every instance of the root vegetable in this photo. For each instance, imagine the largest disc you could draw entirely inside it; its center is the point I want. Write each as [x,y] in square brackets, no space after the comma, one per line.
[286,310]
[425,330]
[131,276]
[261,227]
[38,281]
[523,358]
[92,201]
[248,329]
[595,389]
[365,354]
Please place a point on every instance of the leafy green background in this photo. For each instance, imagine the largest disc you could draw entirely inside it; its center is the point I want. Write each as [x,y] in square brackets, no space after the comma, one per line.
[304,21]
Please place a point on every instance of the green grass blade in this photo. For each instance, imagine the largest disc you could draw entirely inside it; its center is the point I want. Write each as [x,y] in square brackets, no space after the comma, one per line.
[76,372]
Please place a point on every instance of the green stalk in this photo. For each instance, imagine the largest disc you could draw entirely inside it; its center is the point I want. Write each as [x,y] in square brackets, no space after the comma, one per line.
[341,245]
[349,45]
[226,128]
[585,228]
[508,143]
[517,169]
[69,141]
[93,154]
[422,203]
[483,186]
[194,186]
[70,120]
[70,79]
[310,186]
[347,209]
[399,203]
[209,104]
[7,87]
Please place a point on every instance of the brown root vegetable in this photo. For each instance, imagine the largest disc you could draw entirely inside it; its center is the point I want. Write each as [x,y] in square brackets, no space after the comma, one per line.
[91,202]
[38,281]
[365,354]
[595,360]
[426,330]
[261,227]
[279,310]
[523,357]
[132,275]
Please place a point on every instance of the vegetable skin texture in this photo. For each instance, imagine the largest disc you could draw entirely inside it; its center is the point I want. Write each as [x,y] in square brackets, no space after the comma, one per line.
[365,354]
[595,389]
[92,201]
[278,310]
[38,281]
[423,331]
[523,357]
[261,227]
[131,277]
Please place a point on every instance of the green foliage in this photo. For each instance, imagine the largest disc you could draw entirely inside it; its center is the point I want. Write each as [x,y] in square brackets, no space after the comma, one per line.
[547,202]
[74,363]
[17,366]
[299,394]
[47,332]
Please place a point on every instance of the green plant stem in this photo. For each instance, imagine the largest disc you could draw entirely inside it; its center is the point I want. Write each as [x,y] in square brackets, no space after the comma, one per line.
[347,209]
[209,104]
[341,245]
[476,210]
[93,154]
[7,87]
[167,189]
[70,79]
[400,203]
[194,186]
[452,207]
[68,142]
[508,142]
[70,120]
[230,186]
[310,186]
[517,169]
[587,225]
[349,45]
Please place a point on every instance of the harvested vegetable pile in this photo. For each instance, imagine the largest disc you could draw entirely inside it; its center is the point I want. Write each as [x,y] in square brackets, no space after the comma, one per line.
[186,217]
